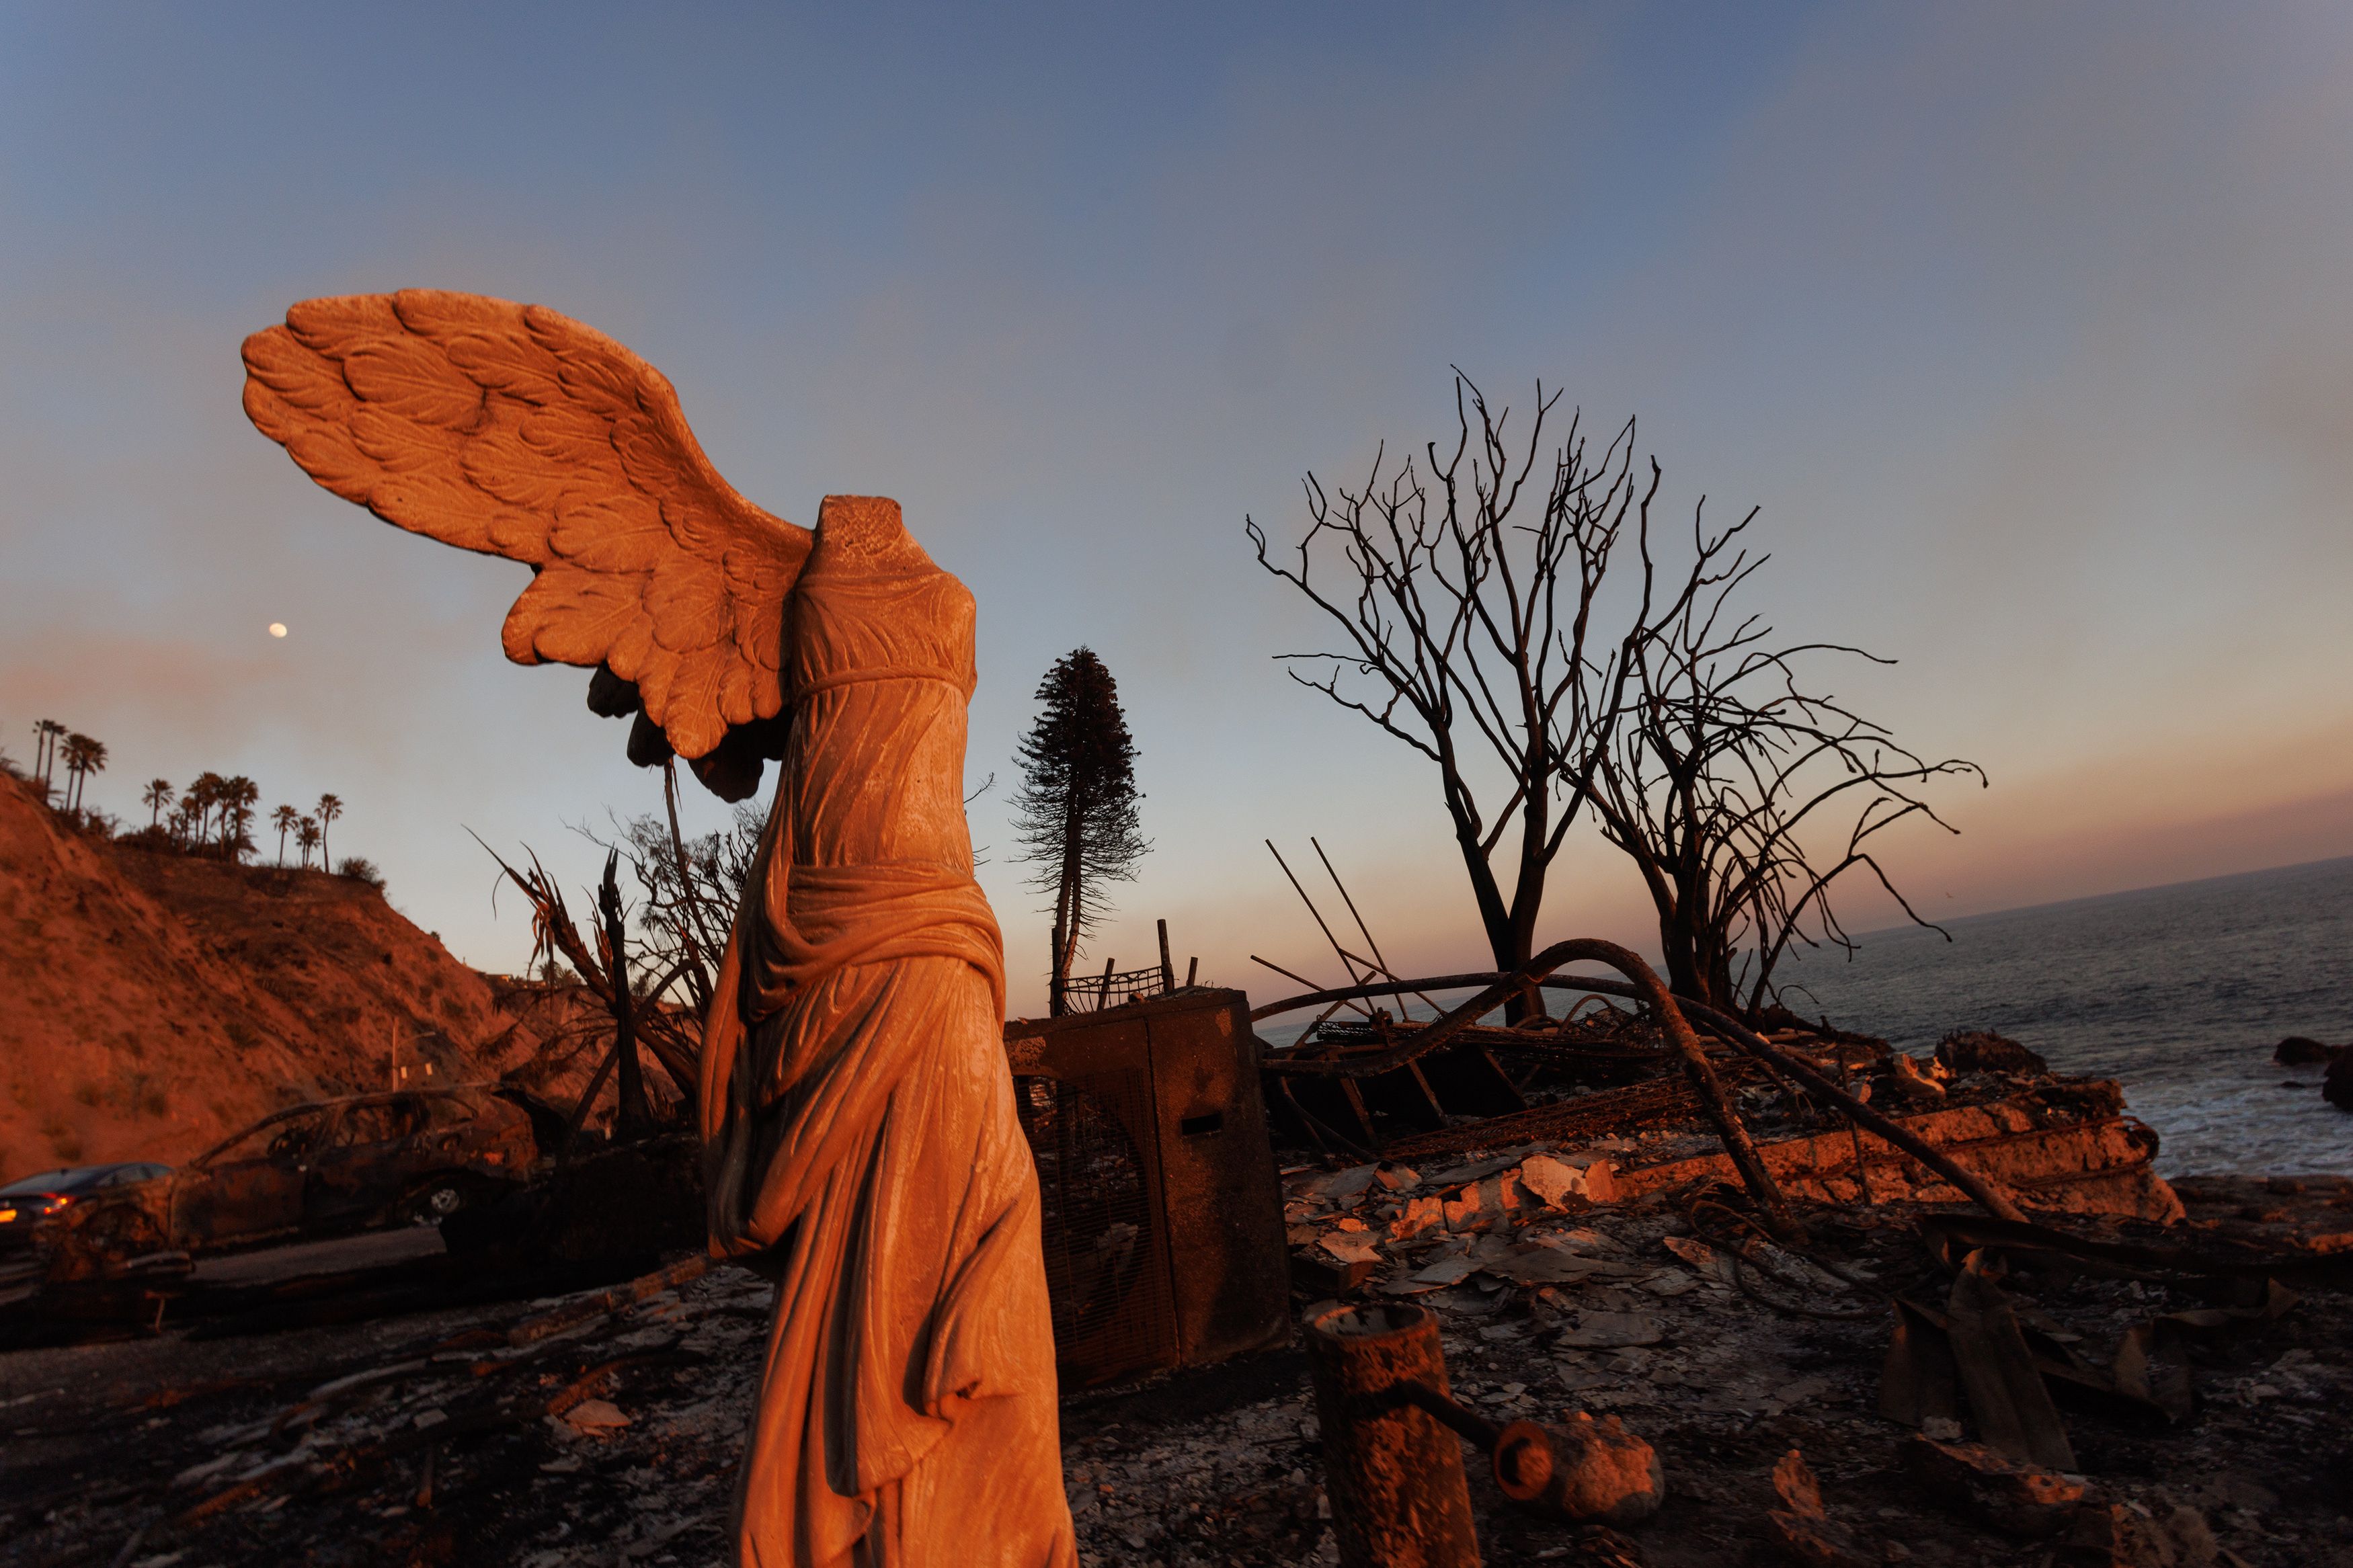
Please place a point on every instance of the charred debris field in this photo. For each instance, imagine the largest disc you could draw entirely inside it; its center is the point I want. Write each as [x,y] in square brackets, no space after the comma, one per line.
[599,1429]
[2139,1372]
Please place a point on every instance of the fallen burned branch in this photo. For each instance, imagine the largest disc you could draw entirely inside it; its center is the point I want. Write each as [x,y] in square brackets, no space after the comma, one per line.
[1953,1237]
[1642,981]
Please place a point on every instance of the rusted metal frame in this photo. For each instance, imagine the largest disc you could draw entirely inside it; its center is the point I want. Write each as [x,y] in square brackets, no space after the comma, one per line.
[1519,1099]
[1347,995]
[1980,1192]
[1651,989]
[1428,1094]
[1653,1103]
[1354,1096]
[1379,988]
[1126,984]
[1321,1018]
[1380,965]
[1317,1128]
[1347,960]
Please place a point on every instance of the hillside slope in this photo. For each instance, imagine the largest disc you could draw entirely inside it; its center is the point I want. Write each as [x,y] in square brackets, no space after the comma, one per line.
[154,1003]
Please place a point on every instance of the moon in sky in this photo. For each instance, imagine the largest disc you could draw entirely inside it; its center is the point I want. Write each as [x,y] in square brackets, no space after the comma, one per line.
[278,629]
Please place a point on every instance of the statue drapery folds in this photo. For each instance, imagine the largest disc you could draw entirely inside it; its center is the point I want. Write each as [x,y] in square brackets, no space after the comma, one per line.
[861,1143]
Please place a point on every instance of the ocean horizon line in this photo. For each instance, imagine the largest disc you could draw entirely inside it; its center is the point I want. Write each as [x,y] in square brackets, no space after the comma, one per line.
[1904,927]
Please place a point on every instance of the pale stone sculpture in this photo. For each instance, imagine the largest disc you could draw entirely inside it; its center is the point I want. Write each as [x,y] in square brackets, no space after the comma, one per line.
[859,1136]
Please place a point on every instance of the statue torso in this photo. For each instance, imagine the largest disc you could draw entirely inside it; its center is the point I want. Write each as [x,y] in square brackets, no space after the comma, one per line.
[878,672]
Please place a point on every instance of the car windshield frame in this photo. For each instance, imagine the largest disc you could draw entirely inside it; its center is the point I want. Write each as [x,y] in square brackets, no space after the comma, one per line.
[327,1117]
[80,1178]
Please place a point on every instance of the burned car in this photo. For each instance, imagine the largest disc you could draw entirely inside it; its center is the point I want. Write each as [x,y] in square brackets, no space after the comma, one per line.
[363,1162]
[37,1202]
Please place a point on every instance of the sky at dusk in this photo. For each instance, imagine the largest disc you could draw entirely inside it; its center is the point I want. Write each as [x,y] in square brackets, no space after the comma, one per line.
[2027,327]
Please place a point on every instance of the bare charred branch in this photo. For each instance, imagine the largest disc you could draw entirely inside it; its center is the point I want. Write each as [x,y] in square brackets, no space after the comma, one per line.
[1725,772]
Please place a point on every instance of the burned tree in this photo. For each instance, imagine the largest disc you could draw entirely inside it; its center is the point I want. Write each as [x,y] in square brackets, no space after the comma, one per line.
[1075,812]
[1740,795]
[1466,610]
[604,967]
[690,887]
[1484,633]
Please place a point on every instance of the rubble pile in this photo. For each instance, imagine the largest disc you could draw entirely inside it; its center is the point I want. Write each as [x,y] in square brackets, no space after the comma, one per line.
[1567,1284]
[2062,1142]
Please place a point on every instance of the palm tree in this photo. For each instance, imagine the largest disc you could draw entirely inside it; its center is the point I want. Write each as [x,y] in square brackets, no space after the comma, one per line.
[45,752]
[242,795]
[155,798]
[329,808]
[283,819]
[306,835]
[93,761]
[202,796]
[68,751]
[84,757]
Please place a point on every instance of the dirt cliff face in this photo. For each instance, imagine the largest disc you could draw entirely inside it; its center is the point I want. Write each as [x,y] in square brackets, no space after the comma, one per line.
[155,1003]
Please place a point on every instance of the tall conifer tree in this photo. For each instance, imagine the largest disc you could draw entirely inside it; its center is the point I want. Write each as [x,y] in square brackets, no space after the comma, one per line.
[1075,812]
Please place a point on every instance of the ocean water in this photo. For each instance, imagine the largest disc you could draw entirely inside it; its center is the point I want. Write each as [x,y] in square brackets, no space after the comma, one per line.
[2180,992]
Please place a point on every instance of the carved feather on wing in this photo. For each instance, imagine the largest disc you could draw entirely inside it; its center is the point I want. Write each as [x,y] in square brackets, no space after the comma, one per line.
[514,431]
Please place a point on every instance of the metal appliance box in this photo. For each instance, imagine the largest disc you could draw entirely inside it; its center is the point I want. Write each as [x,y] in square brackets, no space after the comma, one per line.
[1163,1212]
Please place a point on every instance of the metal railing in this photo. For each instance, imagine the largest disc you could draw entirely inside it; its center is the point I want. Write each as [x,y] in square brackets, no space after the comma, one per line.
[1094,992]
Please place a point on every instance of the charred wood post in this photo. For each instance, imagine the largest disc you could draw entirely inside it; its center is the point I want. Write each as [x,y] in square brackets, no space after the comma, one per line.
[1398,1489]
[1394,1472]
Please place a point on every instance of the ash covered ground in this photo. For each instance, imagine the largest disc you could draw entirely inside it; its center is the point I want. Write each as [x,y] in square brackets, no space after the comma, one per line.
[553,1433]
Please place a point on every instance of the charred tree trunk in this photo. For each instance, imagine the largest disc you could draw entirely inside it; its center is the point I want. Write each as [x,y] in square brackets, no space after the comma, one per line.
[1066,909]
[634,1118]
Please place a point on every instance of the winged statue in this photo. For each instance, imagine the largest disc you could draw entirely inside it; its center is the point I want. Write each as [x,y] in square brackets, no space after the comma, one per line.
[514,431]
[861,1144]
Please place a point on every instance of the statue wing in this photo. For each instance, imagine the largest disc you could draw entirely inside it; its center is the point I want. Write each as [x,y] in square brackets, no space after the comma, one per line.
[514,431]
